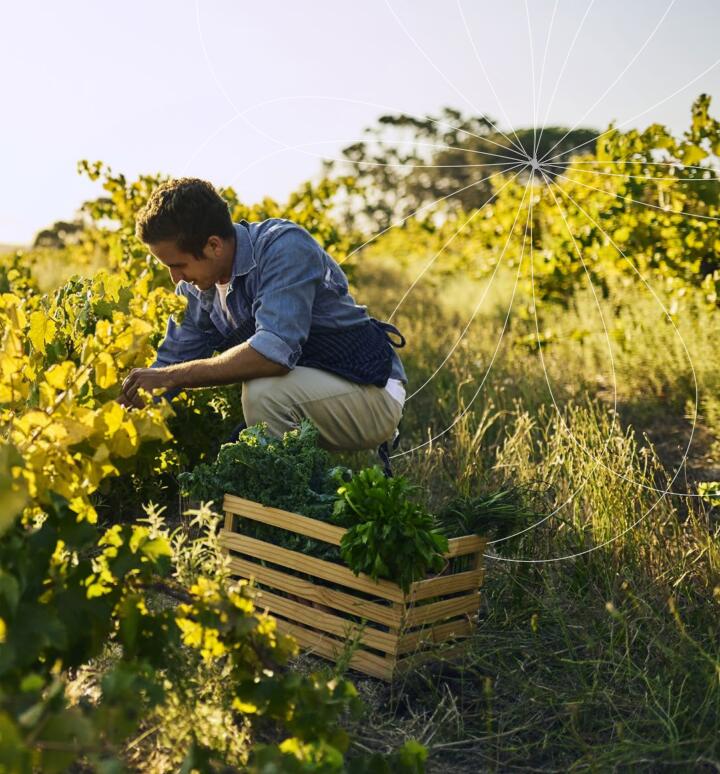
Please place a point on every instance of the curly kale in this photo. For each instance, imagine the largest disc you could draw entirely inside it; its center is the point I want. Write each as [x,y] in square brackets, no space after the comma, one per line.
[291,473]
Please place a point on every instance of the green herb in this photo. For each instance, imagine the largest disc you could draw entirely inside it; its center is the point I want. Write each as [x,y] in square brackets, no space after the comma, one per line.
[291,473]
[389,536]
[498,513]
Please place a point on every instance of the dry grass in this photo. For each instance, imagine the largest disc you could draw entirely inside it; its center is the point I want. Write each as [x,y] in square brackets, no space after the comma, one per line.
[597,647]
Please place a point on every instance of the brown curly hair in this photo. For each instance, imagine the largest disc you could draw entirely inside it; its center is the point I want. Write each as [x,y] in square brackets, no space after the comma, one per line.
[186,210]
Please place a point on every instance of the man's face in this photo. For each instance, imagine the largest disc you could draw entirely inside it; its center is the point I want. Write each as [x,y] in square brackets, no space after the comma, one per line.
[203,273]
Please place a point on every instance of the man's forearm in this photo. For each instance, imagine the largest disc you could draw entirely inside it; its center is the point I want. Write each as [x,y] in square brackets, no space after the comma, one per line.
[237,364]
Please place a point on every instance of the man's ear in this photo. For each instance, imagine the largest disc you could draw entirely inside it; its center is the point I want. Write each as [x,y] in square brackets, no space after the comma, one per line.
[214,244]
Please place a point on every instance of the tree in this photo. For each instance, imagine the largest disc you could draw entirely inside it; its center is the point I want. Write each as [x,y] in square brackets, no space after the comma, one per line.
[408,163]
[61,234]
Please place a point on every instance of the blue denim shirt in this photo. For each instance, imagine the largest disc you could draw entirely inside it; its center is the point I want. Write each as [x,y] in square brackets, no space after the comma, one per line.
[283,280]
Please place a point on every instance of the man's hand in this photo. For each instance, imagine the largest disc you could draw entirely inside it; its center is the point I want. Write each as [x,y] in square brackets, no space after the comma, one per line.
[235,365]
[147,378]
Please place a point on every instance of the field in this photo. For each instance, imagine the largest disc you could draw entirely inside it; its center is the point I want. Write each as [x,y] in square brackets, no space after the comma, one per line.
[558,346]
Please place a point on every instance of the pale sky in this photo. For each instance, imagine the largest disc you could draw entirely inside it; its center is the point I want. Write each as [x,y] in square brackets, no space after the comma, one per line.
[224,89]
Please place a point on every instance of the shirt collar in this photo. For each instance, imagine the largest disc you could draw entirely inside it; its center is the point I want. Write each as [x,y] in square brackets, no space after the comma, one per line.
[243,262]
[244,259]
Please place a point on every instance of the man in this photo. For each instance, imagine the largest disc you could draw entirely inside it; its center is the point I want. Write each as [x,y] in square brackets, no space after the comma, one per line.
[276,306]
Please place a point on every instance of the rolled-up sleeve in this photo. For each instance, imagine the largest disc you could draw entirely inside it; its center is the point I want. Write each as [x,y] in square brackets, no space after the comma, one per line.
[289,275]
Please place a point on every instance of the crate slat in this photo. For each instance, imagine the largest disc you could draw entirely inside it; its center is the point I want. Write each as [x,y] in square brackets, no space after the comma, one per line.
[445,584]
[325,632]
[329,647]
[318,567]
[437,611]
[467,544]
[460,627]
[293,522]
[339,600]
[325,622]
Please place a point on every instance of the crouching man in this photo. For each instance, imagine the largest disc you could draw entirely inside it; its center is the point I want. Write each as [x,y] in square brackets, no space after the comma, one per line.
[276,308]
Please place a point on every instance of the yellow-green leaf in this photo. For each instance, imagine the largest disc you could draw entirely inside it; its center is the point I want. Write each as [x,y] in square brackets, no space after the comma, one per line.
[42,331]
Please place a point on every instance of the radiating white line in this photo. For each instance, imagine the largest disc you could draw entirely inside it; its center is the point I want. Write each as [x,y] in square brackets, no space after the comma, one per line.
[487,372]
[532,74]
[344,160]
[241,113]
[475,311]
[637,201]
[429,60]
[618,162]
[682,341]
[639,115]
[407,217]
[573,494]
[600,312]
[567,58]
[267,135]
[614,83]
[517,144]
[542,74]
[447,80]
[571,168]
[426,206]
[442,249]
[421,208]
[664,492]
[485,139]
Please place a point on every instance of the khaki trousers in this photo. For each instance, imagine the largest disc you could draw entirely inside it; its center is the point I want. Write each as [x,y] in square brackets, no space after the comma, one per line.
[349,416]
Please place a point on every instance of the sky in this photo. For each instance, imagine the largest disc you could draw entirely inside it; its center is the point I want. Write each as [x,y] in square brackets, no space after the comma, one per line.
[254,95]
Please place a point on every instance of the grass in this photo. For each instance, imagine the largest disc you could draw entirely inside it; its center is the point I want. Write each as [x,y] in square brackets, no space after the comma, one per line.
[597,647]
[597,644]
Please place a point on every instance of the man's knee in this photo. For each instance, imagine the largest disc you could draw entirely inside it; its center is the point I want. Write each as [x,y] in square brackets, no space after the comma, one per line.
[261,403]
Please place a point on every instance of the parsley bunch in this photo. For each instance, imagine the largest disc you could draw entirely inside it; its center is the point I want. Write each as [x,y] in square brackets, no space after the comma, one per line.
[390,536]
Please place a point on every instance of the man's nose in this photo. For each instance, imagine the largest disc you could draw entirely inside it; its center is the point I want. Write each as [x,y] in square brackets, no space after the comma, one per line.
[175,275]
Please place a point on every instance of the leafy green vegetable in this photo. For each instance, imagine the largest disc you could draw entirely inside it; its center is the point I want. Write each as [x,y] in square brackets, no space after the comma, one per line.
[497,513]
[389,536]
[291,473]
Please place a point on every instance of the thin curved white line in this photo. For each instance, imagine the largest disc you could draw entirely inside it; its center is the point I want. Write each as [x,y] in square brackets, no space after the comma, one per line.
[542,73]
[637,201]
[475,213]
[407,217]
[618,162]
[259,130]
[426,206]
[679,335]
[570,168]
[475,311]
[532,73]
[615,537]
[637,521]
[429,60]
[565,63]
[487,372]
[614,83]
[517,144]
[572,496]
[639,115]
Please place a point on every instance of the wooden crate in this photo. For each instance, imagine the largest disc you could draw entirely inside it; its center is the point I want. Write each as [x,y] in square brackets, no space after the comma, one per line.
[392,630]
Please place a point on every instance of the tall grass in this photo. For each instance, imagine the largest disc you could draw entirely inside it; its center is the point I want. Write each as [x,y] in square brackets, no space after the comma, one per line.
[597,647]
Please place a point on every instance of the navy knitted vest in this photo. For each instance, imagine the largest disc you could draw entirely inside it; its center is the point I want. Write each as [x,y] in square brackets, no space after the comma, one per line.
[361,353]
